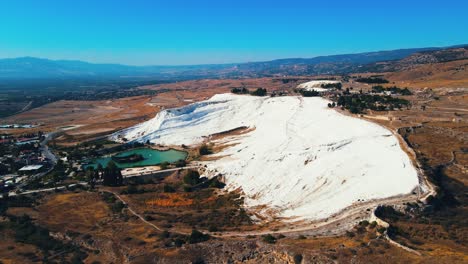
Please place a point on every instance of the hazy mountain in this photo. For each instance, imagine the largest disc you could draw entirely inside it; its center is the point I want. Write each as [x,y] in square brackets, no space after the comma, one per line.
[419,58]
[35,68]
[29,67]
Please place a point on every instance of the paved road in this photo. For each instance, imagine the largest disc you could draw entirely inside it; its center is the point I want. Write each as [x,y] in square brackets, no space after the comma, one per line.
[46,189]
[45,149]
[48,154]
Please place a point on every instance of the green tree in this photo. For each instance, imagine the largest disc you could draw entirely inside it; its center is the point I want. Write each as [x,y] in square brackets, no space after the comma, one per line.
[168,188]
[112,175]
[192,177]
[164,165]
[204,150]
[259,92]
[197,237]
[180,163]
[269,239]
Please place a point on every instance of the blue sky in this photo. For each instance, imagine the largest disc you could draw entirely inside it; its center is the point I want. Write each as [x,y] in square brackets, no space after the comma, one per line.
[143,32]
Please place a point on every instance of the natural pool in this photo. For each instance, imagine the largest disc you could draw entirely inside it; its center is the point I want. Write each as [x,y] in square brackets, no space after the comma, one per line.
[151,157]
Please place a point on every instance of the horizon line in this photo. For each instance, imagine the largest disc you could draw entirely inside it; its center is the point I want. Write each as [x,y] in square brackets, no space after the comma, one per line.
[226,63]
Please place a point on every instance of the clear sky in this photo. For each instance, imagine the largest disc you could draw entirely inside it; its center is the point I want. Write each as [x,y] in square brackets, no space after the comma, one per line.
[143,32]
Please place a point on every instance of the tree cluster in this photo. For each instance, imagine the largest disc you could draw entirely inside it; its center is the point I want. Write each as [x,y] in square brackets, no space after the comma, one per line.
[242,90]
[307,93]
[358,103]
[371,80]
[392,90]
[112,176]
[192,177]
[259,92]
[331,85]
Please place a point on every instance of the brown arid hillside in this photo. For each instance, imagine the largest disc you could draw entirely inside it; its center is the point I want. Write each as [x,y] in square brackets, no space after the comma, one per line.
[432,75]
[437,56]
[432,69]
[84,120]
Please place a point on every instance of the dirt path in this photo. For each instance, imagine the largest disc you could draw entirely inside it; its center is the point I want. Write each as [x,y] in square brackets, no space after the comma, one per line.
[132,211]
[381,222]
[449,108]
[333,225]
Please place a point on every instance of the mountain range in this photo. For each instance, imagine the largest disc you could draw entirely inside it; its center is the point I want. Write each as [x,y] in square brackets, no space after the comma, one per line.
[37,68]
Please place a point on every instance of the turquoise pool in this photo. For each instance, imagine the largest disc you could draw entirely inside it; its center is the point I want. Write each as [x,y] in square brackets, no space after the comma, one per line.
[151,157]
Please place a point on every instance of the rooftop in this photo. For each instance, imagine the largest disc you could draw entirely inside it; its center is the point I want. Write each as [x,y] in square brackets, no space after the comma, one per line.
[31,167]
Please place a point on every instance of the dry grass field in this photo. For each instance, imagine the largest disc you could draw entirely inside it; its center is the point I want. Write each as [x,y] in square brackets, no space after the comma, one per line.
[85,220]
[82,120]
[435,75]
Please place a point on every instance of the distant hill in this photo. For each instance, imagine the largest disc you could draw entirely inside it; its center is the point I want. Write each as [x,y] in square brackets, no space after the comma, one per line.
[441,68]
[35,68]
[419,58]
[29,68]
[327,64]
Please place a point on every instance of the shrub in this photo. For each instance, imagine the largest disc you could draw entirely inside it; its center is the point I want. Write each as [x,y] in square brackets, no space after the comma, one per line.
[164,165]
[297,258]
[213,229]
[197,237]
[306,93]
[165,234]
[269,239]
[240,91]
[178,242]
[192,178]
[364,223]
[180,163]
[168,188]
[215,183]
[204,150]
[259,92]
[381,230]
[131,189]
[117,207]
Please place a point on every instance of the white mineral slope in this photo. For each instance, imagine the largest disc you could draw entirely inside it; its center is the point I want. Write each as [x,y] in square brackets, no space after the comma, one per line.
[303,159]
[315,85]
